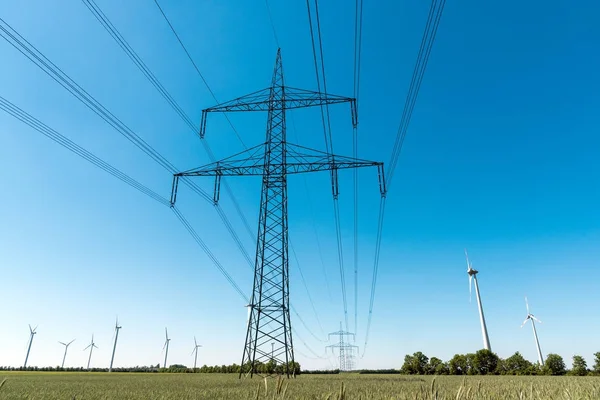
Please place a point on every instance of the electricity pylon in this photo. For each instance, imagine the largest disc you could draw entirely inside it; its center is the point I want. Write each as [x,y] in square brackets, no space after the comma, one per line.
[345,349]
[269,320]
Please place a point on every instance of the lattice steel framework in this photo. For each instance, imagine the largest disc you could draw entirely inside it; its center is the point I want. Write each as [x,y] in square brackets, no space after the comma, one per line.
[345,349]
[269,331]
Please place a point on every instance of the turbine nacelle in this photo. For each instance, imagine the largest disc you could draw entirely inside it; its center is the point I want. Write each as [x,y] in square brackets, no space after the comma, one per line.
[471,272]
[530,316]
[167,339]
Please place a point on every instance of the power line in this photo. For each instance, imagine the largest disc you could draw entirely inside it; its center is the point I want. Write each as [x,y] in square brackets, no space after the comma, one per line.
[435,13]
[210,255]
[197,70]
[58,75]
[433,20]
[357,55]
[312,304]
[136,59]
[312,214]
[67,143]
[62,140]
[328,145]
[272,23]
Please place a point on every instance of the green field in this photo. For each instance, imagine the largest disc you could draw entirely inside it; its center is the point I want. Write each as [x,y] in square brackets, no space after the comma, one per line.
[50,386]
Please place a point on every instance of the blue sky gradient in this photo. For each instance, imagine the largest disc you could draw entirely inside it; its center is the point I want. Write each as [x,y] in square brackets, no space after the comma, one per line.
[500,157]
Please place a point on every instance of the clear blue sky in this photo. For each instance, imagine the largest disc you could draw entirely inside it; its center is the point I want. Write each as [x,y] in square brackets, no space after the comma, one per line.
[501,158]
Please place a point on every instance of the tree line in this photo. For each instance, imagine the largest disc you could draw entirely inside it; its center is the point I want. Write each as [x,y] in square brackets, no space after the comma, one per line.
[485,362]
[270,367]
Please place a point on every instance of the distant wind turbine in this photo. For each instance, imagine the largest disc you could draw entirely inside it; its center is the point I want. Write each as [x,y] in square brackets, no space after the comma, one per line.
[31,333]
[66,348]
[473,277]
[195,351]
[533,320]
[112,358]
[166,346]
[91,347]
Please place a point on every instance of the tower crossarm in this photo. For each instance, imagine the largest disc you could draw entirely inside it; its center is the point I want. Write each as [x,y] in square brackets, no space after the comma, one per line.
[262,100]
[298,160]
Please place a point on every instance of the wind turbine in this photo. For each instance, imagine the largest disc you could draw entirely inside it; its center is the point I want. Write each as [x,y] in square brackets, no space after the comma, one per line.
[196,345]
[112,358]
[537,342]
[166,346]
[66,348]
[91,347]
[473,277]
[31,333]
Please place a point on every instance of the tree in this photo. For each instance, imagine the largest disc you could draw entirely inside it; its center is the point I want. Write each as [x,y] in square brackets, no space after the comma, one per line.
[555,365]
[579,366]
[442,369]
[597,363]
[485,362]
[415,364]
[457,365]
[434,363]
[515,365]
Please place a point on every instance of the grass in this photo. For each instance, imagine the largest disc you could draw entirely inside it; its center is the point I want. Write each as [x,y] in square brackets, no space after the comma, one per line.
[69,386]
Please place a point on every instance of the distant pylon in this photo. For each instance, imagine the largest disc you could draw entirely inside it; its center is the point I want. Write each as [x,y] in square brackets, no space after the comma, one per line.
[345,349]
[273,160]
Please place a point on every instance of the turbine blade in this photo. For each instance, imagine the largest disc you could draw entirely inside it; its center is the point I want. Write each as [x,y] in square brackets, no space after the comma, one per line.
[536,320]
[524,322]
[64,344]
[195,343]
[71,342]
[195,349]
[30,330]
[88,346]
[166,334]
[527,304]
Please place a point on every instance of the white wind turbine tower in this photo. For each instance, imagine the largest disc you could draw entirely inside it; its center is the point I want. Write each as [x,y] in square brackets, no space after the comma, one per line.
[166,346]
[91,347]
[196,345]
[66,348]
[533,320]
[473,277]
[112,358]
[31,333]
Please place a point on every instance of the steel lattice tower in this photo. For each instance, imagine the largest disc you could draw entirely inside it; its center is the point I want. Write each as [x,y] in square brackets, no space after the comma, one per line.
[345,349]
[269,320]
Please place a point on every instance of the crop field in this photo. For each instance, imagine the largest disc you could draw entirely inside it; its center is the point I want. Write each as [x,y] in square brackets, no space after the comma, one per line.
[63,386]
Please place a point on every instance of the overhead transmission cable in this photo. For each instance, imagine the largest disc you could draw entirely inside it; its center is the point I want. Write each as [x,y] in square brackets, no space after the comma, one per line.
[136,59]
[36,124]
[58,75]
[357,55]
[67,143]
[312,214]
[304,177]
[198,70]
[435,14]
[272,23]
[328,144]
